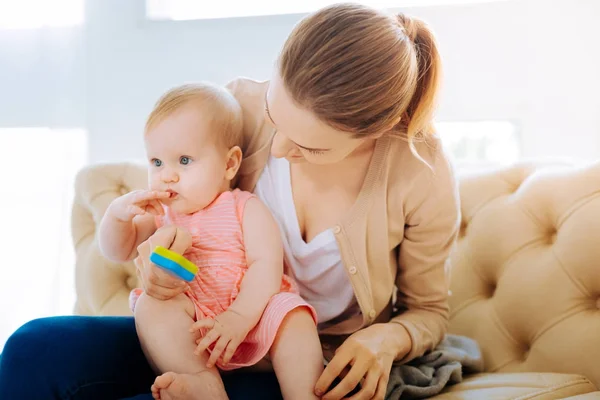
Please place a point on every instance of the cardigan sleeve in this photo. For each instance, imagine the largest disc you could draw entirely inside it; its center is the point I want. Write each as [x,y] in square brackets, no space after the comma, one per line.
[431,227]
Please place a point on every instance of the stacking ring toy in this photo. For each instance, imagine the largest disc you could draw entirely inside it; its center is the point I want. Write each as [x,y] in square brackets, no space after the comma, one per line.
[174,263]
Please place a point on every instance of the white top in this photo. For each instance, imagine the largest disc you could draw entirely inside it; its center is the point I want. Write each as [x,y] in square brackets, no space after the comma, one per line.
[316,266]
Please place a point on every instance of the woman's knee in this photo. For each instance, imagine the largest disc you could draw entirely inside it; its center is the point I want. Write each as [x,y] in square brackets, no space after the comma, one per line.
[27,342]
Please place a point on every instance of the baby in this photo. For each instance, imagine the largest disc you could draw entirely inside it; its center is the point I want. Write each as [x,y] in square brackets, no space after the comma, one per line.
[240,308]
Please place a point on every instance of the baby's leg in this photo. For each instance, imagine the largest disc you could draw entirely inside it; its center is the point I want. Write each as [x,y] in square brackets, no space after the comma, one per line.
[297,356]
[164,331]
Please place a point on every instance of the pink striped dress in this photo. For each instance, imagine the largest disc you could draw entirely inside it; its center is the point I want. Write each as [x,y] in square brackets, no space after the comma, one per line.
[218,251]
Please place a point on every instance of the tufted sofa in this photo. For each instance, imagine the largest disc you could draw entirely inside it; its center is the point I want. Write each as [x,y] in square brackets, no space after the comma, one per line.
[525,275]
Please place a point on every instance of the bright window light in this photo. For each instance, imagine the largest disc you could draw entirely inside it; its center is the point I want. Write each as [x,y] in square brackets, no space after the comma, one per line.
[194,9]
[34,14]
[477,143]
[38,264]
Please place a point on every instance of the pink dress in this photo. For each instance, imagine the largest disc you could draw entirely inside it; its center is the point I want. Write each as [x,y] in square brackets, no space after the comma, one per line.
[218,251]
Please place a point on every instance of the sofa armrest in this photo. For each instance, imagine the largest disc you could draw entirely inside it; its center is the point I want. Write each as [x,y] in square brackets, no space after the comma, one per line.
[102,286]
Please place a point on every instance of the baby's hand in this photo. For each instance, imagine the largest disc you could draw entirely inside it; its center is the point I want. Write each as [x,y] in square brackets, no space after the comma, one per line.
[228,329]
[138,202]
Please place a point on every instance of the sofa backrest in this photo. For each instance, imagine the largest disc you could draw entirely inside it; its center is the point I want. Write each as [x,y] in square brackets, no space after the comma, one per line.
[526,270]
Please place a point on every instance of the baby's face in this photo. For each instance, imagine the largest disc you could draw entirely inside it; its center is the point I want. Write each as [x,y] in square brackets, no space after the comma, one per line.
[186,159]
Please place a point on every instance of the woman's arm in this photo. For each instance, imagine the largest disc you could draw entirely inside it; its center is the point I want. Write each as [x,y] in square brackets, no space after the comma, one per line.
[422,279]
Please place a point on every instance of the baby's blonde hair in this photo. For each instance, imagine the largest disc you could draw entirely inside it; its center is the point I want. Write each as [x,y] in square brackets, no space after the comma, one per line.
[217,103]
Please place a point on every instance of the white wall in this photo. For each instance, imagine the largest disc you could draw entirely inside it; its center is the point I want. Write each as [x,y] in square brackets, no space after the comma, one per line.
[532,61]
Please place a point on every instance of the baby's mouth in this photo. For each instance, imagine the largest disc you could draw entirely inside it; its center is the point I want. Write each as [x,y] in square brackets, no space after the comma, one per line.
[172,194]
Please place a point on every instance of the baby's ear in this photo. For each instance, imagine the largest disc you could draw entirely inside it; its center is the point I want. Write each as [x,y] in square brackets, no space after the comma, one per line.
[234,160]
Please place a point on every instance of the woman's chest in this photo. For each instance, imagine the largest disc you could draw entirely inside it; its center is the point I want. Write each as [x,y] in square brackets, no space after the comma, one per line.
[318,211]
[322,204]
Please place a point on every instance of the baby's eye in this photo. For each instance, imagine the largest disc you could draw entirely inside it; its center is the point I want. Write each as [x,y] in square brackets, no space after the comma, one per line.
[315,152]
[156,162]
[185,160]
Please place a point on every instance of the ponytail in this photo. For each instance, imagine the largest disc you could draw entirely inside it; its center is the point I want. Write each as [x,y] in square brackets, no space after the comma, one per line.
[419,114]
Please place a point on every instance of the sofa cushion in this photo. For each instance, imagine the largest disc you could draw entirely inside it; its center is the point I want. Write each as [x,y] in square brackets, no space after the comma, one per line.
[525,274]
[518,386]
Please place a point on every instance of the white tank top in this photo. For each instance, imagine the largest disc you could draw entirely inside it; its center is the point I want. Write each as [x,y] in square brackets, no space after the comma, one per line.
[316,266]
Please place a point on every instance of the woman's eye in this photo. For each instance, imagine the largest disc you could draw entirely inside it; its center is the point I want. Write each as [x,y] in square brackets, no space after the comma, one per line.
[157,162]
[185,160]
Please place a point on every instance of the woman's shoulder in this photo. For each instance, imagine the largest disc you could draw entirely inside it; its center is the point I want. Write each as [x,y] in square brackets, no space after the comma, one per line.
[418,174]
[428,157]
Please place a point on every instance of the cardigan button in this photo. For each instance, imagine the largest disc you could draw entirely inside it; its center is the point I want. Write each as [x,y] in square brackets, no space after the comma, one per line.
[352,270]
[372,314]
[337,229]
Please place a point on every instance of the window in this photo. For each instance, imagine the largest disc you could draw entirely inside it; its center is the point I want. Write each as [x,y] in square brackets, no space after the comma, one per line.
[194,9]
[481,143]
[32,14]
[39,166]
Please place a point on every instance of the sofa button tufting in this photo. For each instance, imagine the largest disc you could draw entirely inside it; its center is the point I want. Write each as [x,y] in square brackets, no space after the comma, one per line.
[492,290]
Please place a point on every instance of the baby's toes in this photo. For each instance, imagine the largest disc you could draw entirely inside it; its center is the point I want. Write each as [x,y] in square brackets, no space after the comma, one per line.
[163,381]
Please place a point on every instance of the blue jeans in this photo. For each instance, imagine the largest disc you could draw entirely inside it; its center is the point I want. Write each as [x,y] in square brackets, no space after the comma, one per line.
[94,358]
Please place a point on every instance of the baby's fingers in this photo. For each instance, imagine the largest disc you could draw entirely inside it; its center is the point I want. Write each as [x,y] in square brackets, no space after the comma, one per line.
[230,351]
[148,195]
[158,207]
[135,210]
[206,341]
[217,351]
[206,323]
[155,208]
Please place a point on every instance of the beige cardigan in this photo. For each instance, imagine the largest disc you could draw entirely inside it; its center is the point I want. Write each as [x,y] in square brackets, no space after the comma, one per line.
[398,233]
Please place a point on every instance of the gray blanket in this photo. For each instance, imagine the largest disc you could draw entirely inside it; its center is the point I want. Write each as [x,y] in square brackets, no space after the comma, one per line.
[428,375]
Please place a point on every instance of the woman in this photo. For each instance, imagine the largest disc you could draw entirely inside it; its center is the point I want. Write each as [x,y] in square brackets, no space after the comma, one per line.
[340,145]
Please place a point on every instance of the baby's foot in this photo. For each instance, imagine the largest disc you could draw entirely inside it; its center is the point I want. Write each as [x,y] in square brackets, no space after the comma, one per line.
[172,386]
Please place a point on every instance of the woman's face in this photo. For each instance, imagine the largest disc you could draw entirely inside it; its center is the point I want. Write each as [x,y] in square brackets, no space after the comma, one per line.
[300,136]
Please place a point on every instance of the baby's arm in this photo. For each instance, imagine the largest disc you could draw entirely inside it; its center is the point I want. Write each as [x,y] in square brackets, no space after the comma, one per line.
[264,254]
[129,221]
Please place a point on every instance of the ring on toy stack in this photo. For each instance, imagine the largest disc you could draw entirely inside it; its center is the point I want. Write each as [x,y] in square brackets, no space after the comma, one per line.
[174,263]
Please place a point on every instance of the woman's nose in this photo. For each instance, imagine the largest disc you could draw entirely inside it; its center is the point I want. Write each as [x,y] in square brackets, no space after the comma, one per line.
[281,145]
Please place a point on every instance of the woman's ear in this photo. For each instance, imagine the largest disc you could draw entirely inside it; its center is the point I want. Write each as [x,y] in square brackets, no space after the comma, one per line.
[234,160]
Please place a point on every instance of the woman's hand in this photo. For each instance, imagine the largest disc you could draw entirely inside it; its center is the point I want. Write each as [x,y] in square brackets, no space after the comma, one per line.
[156,282]
[367,355]
[227,330]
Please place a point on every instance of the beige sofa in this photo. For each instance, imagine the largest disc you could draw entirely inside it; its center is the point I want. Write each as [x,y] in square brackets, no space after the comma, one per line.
[525,275]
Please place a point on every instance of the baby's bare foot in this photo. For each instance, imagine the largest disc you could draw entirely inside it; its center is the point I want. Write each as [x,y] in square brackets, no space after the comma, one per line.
[172,386]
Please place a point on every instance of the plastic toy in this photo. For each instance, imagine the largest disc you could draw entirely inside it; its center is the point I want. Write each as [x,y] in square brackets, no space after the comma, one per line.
[174,263]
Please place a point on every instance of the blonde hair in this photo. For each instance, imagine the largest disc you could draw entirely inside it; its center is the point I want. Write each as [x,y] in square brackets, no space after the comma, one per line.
[363,71]
[215,102]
